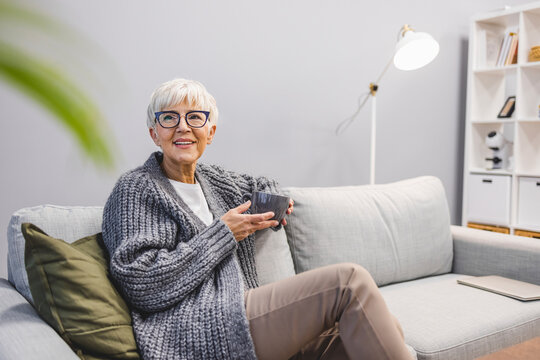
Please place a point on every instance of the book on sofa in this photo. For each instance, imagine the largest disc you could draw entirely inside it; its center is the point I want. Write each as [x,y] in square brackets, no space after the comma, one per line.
[500,285]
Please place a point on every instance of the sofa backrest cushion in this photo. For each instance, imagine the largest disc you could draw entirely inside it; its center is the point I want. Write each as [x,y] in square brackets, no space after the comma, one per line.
[70,223]
[273,257]
[398,231]
[72,291]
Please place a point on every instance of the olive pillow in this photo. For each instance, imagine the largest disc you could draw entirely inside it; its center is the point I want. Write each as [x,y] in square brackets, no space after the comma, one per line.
[72,291]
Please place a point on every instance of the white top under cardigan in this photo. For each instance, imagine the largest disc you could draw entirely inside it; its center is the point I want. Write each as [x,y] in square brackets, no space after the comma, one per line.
[193,196]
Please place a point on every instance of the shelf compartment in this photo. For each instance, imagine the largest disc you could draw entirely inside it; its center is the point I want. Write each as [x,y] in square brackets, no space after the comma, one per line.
[531,34]
[489,35]
[528,215]
[528,147]
[529,93]
[479,151]
[489,199]
[489,92]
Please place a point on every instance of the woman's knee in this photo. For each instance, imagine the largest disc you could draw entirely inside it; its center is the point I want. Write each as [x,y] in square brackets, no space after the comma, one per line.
[352,273]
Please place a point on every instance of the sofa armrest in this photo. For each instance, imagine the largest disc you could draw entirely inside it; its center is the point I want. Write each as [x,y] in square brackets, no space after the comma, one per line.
[23,334]
[480,253]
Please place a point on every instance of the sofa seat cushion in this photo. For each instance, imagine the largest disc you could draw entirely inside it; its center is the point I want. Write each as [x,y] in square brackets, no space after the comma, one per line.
[398,231]
[445,320]
[23,335]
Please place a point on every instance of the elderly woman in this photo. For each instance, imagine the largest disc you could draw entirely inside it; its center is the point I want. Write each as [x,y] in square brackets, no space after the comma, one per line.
[181,243]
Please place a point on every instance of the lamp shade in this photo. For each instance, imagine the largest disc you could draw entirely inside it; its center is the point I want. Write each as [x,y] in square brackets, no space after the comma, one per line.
[415,50]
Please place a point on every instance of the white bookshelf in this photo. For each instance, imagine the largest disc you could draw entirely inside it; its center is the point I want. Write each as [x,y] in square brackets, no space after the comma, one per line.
[507,197]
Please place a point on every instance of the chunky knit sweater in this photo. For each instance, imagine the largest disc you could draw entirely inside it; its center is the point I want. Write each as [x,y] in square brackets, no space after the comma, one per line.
[184,281]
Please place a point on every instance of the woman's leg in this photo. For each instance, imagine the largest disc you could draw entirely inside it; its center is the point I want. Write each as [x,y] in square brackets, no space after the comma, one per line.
[287,315]
[328,346]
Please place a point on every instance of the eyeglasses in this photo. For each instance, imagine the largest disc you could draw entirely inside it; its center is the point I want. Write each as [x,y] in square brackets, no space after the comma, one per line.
[170,119]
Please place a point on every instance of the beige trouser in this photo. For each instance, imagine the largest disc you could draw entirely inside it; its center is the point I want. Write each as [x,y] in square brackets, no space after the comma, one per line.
[334,312]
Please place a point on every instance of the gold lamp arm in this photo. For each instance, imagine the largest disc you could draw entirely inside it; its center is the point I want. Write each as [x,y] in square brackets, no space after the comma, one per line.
[403,30]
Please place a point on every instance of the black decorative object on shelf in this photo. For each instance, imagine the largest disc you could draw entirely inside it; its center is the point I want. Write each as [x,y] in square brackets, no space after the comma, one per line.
[508,107]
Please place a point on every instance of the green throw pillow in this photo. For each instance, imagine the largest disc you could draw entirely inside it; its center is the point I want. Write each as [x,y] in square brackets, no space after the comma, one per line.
[72,292]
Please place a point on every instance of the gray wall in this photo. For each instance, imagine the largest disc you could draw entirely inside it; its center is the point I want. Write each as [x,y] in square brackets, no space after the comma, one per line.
[284,73]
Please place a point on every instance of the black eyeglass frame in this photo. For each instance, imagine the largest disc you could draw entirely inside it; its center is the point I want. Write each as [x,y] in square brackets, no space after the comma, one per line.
[158,114]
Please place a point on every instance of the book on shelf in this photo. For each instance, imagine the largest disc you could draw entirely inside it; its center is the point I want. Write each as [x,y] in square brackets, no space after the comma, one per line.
[501,49]
[508,49]
[515,58]
[512,53]
[503,52]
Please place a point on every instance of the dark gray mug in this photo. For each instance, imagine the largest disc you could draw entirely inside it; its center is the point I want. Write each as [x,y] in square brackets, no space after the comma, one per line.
[262,202]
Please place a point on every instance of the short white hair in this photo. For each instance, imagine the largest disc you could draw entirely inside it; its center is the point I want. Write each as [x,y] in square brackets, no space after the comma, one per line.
[177,91]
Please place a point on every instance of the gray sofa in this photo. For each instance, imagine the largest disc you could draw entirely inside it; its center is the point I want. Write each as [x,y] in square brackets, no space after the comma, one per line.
[400,232]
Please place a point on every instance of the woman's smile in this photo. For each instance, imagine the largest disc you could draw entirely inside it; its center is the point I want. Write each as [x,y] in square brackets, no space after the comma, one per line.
[183,143]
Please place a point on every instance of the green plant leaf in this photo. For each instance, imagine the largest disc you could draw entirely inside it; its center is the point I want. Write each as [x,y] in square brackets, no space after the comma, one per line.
[48,85]
[50,88]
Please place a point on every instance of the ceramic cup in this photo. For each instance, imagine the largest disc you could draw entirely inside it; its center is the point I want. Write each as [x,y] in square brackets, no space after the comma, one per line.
[262,202]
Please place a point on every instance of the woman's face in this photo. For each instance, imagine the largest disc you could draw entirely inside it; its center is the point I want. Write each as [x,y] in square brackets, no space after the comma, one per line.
[182,146]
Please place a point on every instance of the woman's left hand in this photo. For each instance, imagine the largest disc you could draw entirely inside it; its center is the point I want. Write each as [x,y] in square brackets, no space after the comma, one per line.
[289,211]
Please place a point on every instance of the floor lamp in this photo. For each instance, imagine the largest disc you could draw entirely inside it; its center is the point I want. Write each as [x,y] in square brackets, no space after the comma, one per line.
[413,51]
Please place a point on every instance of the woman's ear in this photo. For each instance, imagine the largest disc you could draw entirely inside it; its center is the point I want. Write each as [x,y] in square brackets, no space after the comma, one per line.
[154,136]
[211,133]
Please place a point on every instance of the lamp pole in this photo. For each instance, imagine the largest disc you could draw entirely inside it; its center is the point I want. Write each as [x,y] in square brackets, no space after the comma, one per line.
[373,138]
[373,88]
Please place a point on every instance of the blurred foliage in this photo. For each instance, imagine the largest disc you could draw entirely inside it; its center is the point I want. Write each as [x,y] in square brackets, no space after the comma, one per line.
[49,86]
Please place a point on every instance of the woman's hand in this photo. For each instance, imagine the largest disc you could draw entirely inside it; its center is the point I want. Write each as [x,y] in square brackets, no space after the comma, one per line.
[289,211]
[243,225]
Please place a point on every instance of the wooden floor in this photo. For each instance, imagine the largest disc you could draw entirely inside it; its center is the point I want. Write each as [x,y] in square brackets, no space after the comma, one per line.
[528,350]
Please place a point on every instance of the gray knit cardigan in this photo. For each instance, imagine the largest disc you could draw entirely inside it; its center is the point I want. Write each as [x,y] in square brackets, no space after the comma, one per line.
[184,280]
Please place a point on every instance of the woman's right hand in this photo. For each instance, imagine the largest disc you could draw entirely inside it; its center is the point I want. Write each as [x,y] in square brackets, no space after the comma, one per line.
[242,225]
